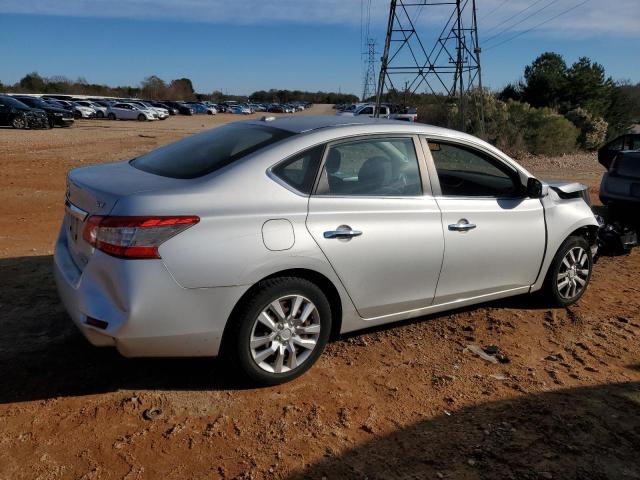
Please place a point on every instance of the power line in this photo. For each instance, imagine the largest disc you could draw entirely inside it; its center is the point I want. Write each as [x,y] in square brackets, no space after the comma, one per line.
[544,7]
[537,25]
[447,72]
[493,10]
[513,16]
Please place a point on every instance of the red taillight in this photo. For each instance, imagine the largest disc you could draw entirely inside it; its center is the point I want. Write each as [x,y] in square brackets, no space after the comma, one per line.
[134,237]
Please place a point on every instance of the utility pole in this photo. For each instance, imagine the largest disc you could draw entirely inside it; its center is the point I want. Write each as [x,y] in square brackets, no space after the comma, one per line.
[369,84]
[385,57]
[447,65]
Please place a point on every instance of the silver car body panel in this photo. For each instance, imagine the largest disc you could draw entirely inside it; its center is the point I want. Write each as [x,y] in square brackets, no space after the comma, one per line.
[252,226]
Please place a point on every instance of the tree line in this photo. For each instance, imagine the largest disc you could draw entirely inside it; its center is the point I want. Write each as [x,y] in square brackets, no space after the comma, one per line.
[155,88]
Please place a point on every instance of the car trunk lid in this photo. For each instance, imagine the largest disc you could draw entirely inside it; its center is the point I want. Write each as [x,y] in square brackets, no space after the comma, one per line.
[95,190]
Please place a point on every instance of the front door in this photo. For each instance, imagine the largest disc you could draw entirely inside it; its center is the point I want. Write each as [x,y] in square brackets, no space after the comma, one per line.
[377,226]
[494,235]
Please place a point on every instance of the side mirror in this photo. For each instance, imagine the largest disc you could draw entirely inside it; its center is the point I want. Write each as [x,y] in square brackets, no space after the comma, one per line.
[534,188]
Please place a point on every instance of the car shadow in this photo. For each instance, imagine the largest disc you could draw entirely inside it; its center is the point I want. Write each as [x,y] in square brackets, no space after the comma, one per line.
[581,433]
[43,355]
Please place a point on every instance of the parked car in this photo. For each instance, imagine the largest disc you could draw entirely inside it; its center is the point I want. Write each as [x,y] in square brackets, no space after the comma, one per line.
[128,111]
[201,108]
[56,114]
[182,108]
[275,108]
[239,109]
[321,225]
[101,110]
[171,110]
[79,111]
[161,113]
[606,153]
[408,114]
[620,185]
[18,115]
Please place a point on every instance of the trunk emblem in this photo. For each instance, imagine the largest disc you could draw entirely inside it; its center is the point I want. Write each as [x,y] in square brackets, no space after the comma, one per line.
[100,204]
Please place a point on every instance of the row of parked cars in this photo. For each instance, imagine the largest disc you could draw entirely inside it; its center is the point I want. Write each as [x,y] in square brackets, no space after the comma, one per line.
[48,111]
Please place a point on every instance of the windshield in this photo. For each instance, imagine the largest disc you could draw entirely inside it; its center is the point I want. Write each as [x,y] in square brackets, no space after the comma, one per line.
[209,151]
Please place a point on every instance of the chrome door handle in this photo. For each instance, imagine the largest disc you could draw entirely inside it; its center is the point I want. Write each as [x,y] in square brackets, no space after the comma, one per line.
[343,231]
[462,226]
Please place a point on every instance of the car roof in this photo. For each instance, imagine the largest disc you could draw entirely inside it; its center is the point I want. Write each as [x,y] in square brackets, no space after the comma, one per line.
[307,123]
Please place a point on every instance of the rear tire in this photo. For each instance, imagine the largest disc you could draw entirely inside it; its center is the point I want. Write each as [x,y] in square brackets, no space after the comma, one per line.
[279,331]
[569,273]
[99,114]
[111,116]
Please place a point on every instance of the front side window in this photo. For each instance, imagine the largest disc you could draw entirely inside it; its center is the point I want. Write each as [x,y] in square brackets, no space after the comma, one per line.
[299,172]
[208,151]
[373,167]
[466,172]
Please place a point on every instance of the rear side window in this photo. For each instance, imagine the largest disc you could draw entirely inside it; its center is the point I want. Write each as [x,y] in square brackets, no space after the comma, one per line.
[377,167]
[299,172]
[209,151]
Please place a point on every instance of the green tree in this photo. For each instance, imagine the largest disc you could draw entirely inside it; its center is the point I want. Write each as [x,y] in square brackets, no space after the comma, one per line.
[588,87]
[32,82]
[545,81]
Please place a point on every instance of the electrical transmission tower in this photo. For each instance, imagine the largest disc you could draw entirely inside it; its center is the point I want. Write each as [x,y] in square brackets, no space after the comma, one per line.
[446,65]
[369,83]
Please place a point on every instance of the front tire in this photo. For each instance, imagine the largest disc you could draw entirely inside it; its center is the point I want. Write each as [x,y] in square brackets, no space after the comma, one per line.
[280,331]
[142,118]
[569,273]
[99,114]
[111,116]
[19,122]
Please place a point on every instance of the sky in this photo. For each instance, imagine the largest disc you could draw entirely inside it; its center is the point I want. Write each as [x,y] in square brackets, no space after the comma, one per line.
[239,46]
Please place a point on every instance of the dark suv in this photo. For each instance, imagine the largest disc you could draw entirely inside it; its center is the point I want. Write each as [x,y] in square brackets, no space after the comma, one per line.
[620,186]
[56,116]
[629,141]
[18,115]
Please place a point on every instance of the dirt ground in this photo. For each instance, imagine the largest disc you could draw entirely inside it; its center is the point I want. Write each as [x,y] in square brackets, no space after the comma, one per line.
[405,401]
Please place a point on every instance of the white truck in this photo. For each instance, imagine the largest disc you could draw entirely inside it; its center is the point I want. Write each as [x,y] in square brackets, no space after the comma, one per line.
[406,114]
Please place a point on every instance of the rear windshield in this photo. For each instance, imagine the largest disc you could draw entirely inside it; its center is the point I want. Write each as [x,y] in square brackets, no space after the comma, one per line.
[209,151]
[628,165]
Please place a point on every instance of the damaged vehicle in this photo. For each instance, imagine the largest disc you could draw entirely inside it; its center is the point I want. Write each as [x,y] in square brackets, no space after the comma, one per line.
[260,240]
[56,115]
[16,114]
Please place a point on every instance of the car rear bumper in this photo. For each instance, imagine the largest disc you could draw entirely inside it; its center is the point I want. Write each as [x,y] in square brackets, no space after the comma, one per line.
[621,190]
[147,313]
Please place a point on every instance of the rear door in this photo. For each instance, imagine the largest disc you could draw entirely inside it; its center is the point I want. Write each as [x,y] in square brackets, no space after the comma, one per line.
[375,220]
[494,235]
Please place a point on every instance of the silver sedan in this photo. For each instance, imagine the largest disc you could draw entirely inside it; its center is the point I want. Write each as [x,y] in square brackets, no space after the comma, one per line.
[261,240]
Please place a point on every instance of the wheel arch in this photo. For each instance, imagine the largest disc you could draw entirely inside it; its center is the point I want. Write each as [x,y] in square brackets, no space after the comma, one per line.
[324,283]
[589,231]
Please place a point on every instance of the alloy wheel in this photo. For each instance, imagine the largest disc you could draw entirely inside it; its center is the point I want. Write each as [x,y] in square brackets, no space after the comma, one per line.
[19,122]
[285,333]
[573,273]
